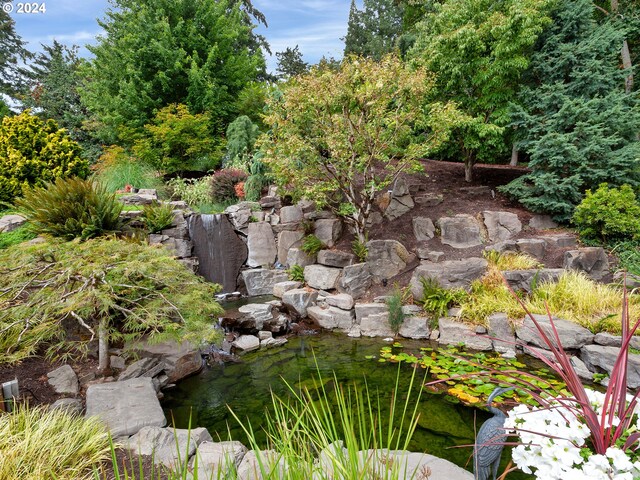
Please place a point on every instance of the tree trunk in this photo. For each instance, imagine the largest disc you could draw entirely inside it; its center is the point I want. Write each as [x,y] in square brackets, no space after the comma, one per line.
[625,54]
[103,346]
[514,155]
[468,170]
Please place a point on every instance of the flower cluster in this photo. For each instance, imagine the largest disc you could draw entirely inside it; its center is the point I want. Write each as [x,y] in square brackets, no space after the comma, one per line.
[554,443]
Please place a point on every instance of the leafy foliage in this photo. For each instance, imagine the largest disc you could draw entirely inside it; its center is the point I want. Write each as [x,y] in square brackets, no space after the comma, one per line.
[116,169]
[296,273]
[339,136]
[193,191]
[468,377]
[312,244]
[374,30]
[437,300]
[628,254]
[241,138]
[223,184]
[137,288]
[178,141]
[608,214]
[157,217]
[258,178]
[478,49]
[71,208]
[575,120]
[290,63]
[155,53]
[40,443]
[396,315]
[33,152]
[360,249]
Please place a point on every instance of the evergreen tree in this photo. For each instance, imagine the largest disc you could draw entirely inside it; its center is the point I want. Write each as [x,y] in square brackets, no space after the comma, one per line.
[576,121]
[155,53]
[12,53]
[53,84]
[290,63]
[374,30]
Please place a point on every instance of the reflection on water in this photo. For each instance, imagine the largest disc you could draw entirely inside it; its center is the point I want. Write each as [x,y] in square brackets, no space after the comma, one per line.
[246,388]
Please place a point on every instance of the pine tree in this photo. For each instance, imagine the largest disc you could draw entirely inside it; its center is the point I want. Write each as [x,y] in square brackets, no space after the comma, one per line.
[374,30]
[576,122]
[290,63]
[12,53]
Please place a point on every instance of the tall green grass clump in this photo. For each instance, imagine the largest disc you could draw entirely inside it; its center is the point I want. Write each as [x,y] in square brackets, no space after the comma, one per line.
[71,208]
[327,432]
[157,217]
[19,235]
[116,169]
[37,443]
[396,315]
[193,191]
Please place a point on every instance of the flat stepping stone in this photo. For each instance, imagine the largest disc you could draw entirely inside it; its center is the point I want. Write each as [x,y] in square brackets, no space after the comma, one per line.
[125,407]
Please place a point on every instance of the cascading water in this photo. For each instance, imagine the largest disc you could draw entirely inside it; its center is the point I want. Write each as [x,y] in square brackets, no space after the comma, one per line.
[219,249]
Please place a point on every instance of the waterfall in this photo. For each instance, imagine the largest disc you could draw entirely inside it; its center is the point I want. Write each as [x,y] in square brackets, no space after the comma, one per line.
[219,249]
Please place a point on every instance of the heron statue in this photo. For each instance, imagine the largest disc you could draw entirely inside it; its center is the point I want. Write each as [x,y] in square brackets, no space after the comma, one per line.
[490,441]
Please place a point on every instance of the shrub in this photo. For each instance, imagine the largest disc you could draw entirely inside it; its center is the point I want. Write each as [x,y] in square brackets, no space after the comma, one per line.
[629,256]
[39,443]
[608,214]
[136,289]
[312,245]
[178,141]
[33,152]
[396,315]
[296,273]
[241,137]
[193,191]
[223,184]
[116,169]
[258,179]
[157,217]
[71,208]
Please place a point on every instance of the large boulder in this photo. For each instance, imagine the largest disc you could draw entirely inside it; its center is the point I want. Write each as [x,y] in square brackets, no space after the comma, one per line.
[63,380]
[297,256]
[356,280]
[601,358]
[343,301]
[335,258]
[246,343]
[255,317]
[534,247]
[461,231]
[288,239]
[328,230]
[411,465]
[386,258]
[572,336]
[400,201]
[125,407]
[261,281]
[453,332]
[373,319]
[217,460]
[168,446]
[542,222]
[262,245]
[525,280]
[292,214]
[177,247]
[591,260]
[332,318]
[9,223]
[321,277]
[279,289]
[180,359]
[298,300]
[502,334]
[416,327]
[423,228]
[501,225]
[448,274]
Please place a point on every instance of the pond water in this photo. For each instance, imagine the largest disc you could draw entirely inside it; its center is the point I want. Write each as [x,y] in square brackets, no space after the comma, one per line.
[246,388]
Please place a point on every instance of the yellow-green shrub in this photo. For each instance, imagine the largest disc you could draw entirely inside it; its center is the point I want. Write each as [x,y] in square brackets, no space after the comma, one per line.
[34,151]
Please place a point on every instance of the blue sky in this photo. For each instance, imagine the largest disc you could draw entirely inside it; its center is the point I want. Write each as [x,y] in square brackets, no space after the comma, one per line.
[315,25]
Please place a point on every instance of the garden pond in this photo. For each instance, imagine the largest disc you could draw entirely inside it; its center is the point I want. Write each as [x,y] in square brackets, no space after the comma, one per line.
[445,429]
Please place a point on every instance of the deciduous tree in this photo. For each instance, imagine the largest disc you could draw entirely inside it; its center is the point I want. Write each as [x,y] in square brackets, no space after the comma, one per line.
[340,136]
